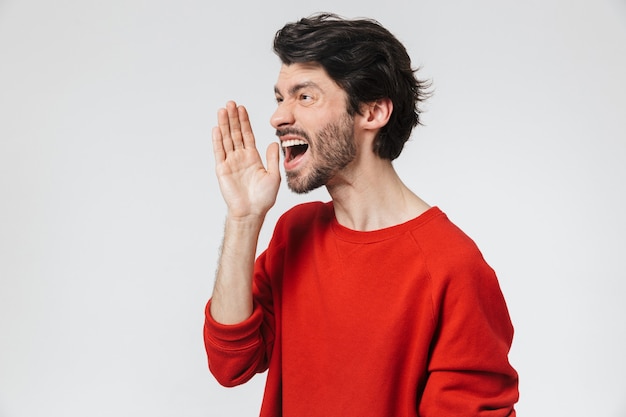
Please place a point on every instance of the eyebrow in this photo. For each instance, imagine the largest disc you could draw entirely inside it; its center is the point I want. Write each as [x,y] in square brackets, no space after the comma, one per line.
[294,89]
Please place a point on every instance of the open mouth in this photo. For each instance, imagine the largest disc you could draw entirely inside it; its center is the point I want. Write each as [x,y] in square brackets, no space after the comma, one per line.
[294,148]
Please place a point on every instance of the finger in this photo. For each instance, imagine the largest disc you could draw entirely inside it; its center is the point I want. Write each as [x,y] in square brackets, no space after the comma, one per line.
[272,157]
[246,128]
[234,124]
[218,145]
[224,128]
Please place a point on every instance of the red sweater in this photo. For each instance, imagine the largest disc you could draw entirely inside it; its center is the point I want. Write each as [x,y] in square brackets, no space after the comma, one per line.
[403,321]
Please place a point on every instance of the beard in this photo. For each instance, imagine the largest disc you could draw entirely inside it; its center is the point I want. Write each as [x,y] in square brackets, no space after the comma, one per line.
[332,149]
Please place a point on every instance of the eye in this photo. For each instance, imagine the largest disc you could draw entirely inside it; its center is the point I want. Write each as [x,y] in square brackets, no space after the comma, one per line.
[279,99]
[307,99]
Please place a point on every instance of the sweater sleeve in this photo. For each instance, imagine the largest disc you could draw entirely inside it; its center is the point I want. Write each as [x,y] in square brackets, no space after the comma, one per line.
[469,373]
[233,351]
[239,351]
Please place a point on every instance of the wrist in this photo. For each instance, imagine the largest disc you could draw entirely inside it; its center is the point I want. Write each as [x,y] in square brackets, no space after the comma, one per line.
[247,222]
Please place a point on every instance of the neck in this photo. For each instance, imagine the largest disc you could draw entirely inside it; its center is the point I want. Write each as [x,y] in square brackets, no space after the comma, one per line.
[373,198]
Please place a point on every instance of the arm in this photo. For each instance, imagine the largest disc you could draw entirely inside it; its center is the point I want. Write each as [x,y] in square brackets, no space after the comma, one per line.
[469,372]
[249,190]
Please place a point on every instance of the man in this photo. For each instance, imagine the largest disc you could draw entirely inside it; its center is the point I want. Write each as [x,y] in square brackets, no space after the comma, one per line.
[373,304]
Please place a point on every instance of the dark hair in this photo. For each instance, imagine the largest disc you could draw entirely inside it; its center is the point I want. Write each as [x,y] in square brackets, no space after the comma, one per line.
[366,61]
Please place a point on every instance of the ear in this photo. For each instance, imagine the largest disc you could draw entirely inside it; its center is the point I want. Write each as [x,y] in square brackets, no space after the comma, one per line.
[376,114]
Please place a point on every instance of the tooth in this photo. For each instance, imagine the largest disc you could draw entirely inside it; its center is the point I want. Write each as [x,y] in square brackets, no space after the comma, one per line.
[293,142]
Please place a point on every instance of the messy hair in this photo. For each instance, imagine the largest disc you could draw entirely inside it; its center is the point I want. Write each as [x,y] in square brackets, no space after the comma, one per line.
[366,61]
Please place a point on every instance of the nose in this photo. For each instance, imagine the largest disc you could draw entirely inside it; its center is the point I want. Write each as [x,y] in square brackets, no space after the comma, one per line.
[283,116]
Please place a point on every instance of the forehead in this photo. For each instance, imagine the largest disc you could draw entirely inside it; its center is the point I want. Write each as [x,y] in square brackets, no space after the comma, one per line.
[299,75]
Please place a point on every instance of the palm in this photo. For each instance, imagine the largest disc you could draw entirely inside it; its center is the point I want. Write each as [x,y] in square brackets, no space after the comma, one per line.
[246,185]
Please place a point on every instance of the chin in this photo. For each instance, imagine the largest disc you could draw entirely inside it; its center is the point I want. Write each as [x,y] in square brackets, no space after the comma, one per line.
[303,185]
[299,188]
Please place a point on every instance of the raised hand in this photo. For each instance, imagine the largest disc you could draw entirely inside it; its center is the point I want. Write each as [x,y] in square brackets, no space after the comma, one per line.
[248,188]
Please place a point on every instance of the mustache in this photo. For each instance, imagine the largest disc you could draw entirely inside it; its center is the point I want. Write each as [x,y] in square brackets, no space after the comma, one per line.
[292,131]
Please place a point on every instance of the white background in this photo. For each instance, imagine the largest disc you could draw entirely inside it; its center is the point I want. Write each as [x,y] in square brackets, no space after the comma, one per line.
[111,220]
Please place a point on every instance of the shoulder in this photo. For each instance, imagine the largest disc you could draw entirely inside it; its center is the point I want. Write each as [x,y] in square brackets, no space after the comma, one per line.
[448,250]
[306,210]
[439,235]
[301,218]
[303,214]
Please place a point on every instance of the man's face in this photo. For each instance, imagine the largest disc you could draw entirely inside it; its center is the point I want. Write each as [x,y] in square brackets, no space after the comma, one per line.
[315,130]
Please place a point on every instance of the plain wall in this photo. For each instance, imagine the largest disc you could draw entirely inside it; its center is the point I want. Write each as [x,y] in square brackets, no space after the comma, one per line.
[111,220]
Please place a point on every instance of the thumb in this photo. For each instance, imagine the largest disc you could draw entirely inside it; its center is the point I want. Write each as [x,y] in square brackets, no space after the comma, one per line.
[273,157]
